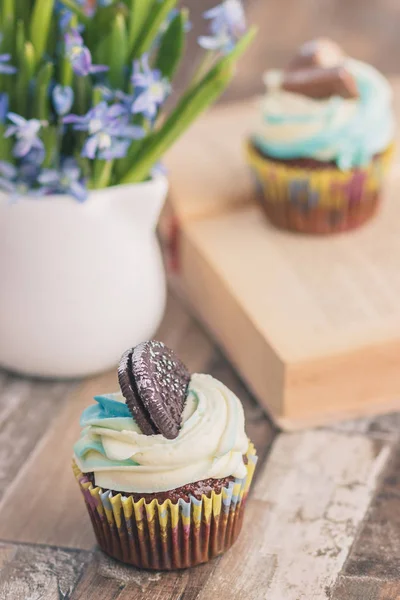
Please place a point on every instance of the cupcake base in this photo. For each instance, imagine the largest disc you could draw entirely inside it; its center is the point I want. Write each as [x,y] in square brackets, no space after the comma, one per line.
[168,535]
[317,198]
[320,220]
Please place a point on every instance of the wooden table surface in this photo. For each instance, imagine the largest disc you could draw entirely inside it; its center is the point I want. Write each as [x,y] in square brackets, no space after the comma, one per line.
[323,520]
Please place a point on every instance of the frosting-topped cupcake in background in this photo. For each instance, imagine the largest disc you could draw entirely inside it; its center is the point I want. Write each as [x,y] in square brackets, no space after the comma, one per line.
[324,140]
[165,466]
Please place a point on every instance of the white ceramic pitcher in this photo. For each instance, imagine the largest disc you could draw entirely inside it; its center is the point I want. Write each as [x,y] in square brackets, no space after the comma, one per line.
[79,283]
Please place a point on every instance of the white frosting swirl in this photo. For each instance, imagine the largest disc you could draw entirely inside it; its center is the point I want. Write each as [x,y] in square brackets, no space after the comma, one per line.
[210,444]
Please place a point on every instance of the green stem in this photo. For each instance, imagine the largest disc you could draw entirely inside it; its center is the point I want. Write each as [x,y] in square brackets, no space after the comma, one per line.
[102,173]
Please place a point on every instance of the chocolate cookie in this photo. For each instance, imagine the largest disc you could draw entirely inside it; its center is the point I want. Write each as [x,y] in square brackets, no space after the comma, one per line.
[154,383]
[130,392]
[321,83]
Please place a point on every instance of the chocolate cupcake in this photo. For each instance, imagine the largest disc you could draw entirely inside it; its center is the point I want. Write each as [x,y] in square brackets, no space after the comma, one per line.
[324,142]
[165,466]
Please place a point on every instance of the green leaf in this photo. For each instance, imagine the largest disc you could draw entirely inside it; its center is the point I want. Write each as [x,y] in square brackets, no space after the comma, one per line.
[83,94]
[7,11]
[151,28]
[40,25]
[172,46]
[7,35]
[66,72]
[21,11]
[138,15]
[5,146]
[118,52]
[25,75]
[42,100]
[20,40]
[49,136]
[102,21]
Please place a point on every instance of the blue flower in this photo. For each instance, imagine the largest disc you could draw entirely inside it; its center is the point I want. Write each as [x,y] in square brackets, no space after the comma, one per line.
[63,98]
[4,67]
[228,24]
[8,174]
[26,133]
[109,131]
[79,55]
[3,107]
[68,180]
[151,90]
[19,181]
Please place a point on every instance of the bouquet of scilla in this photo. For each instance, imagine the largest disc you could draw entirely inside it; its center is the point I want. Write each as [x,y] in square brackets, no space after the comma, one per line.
[83,87]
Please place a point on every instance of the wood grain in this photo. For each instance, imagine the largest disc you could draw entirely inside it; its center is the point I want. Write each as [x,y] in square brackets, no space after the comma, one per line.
[383,427]
[359,588]
[59,517]
[94,586]
[376,551]
[114,580]
[39,573]
[302,519]
[27,409]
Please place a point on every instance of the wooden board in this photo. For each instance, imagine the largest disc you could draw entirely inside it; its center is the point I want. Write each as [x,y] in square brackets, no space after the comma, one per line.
[302,318]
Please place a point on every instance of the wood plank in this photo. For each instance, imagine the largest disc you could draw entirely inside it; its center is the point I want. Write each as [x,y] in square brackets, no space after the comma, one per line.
[94,586]
[56,513]
[373,565]
[38,572]
[27,408]
[376,552]
[384,427]
[361,588]
[302,519]
[114,580]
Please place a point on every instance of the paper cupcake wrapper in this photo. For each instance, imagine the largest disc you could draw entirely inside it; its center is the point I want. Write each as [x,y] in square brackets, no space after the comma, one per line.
[318,200]
[167,536]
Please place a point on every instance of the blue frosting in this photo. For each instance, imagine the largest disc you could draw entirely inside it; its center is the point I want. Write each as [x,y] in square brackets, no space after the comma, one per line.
[369,131]
[109,413]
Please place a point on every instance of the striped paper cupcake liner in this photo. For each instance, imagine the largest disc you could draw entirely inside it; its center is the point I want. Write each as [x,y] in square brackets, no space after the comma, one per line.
[312,200]
[169,535]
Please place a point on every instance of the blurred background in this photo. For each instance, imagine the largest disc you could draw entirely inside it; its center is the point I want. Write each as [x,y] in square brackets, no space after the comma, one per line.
[367,30]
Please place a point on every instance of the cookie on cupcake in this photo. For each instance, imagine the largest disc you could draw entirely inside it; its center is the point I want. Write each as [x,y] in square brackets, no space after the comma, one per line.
[324,141]
[164,466]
